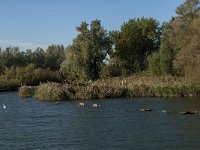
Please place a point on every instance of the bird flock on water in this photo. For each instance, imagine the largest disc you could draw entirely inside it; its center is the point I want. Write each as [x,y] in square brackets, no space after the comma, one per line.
[141,110]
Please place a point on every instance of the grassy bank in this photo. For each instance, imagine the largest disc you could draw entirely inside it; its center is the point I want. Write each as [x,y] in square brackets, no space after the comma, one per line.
[134,86]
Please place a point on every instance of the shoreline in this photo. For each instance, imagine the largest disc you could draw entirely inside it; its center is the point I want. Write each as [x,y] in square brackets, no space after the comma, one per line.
[9,90]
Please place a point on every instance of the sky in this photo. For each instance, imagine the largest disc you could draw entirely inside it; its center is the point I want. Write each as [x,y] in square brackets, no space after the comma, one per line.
[29,24]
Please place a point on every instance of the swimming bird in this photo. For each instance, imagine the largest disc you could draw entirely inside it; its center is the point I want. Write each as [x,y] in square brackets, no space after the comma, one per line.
[145,109]
[4,106]
[190,113]
[164,111]
[96,105]
[81,104]
[57,103]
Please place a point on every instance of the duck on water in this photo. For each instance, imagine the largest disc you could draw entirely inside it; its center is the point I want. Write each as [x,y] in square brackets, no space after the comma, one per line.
[81,104]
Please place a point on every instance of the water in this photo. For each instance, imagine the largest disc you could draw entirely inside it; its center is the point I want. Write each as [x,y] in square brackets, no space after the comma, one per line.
[118,125]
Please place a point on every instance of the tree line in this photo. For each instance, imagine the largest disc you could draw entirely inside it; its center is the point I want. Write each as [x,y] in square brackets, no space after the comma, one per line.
[30,67]
[50,58]
[141,45]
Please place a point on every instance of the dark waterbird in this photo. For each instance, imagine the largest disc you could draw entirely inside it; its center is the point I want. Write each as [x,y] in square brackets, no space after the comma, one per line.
[57,103]
[190,113]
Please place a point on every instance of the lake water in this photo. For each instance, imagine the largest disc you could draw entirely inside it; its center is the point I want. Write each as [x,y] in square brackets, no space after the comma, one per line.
[118,125]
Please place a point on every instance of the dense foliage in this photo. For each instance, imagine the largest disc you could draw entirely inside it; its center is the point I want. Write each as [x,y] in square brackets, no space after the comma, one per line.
[84,58]
[137,39]
[51,58]
[30,67]
[180,46]
[128,50]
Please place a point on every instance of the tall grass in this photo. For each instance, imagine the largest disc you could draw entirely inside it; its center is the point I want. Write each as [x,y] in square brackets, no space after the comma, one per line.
[8,85]
[53,91]
[27,91]
[134,86]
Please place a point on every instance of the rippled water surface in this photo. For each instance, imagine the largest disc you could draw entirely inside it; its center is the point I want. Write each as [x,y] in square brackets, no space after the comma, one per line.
[118,125]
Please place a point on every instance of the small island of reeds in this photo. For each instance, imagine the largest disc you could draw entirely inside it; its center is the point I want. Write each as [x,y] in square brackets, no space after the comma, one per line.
[133,86]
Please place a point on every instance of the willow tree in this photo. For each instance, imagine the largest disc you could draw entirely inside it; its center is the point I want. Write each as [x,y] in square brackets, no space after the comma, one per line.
[176,37]
[186,28]
[188,58]
[167,49]
[84,58]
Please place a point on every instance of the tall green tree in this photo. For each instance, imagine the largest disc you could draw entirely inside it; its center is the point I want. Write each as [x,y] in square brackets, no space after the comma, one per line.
[167,50]
[38,57]
[85,56]
[136,40]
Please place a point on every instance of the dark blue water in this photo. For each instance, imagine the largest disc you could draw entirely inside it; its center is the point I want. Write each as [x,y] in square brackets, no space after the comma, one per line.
[118,125]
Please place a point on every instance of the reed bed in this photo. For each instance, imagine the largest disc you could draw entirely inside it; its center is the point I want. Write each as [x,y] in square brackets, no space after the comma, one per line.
[8,85]
[134,86]
[27,91]
[53,91]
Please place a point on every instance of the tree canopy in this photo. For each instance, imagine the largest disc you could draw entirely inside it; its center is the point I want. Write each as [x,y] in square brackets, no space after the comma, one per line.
[84,58]
[136,40]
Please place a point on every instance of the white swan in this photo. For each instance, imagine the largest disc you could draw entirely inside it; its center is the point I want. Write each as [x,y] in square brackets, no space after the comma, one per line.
[96,105]
[81,104]
[164,111]
[4,106]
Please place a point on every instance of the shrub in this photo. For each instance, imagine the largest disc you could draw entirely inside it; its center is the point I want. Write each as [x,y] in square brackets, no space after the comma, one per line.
[27,91]
[53,91]
[8,85]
